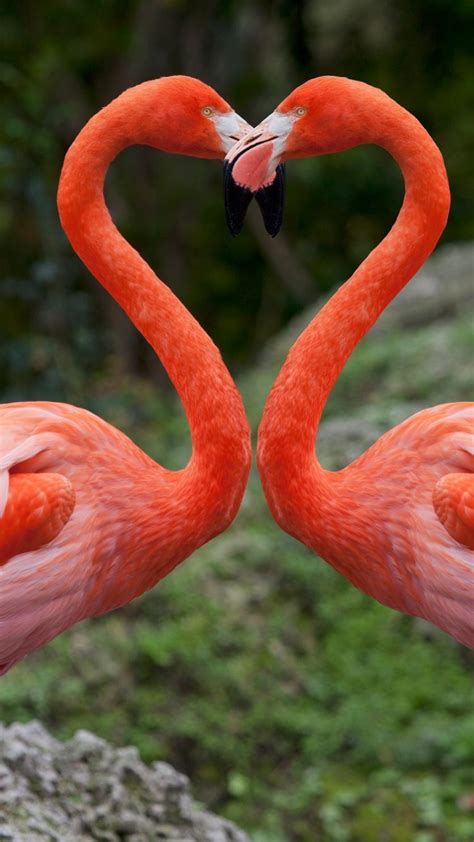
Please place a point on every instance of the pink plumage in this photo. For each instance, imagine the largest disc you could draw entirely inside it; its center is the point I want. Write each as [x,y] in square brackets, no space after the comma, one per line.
[87,520]
[399,521]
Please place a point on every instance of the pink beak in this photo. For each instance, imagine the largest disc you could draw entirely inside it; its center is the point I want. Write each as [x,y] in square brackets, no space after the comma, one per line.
[252,170]
[252,159]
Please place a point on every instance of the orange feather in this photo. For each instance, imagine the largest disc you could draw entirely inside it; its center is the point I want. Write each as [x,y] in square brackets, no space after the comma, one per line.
[87,520]
[397,522]
[453,500]
[38,507]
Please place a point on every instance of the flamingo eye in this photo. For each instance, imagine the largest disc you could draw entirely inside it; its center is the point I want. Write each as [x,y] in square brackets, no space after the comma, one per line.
[300,111]
[207,111]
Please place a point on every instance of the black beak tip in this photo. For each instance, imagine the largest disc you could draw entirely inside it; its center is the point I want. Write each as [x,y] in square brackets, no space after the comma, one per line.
[236,201]
[269,199]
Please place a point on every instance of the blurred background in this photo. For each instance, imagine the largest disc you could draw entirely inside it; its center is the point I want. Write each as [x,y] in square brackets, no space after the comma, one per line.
[300,708]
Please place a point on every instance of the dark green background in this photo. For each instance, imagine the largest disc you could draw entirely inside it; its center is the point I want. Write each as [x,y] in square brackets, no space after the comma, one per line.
[61,61]
[300,708]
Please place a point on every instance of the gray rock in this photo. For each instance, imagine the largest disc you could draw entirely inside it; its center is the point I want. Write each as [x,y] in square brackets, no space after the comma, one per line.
[443,288]
[86,790]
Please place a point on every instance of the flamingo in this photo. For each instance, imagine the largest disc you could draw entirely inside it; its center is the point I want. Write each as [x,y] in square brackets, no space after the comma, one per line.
[87,520]
[399,521]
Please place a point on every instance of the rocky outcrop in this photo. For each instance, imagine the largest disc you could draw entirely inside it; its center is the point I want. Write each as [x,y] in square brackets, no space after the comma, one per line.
[85,790]
[443,288]
[435,299]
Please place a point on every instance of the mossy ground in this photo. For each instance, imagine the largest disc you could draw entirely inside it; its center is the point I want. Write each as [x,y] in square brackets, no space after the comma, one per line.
[301,709]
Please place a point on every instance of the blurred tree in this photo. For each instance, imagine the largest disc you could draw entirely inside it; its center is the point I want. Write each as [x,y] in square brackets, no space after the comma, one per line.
[295,722]
[63,60]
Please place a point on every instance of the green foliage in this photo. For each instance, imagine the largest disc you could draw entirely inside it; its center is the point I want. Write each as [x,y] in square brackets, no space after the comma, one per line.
[61,62]
[301,708]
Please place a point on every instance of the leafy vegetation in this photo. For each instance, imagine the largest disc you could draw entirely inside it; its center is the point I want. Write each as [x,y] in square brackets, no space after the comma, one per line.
[300,708]
[61,61]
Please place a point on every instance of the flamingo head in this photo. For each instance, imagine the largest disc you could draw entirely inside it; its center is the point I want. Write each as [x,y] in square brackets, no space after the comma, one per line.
[318,117]
[193,119]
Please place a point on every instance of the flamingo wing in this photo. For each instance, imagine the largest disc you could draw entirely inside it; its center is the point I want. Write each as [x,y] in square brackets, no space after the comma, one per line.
[34,507]
[450,442]
[453,501]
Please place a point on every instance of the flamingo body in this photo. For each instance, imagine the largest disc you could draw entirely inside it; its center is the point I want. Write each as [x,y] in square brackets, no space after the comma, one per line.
[375,520]
[87,520]
[399,521]
[131,522]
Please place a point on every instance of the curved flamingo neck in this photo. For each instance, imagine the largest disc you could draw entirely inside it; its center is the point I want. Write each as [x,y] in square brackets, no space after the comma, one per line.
[213,406]
[293,410]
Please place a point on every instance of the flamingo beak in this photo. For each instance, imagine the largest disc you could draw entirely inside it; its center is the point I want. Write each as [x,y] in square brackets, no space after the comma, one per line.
[231,127]
[252,169]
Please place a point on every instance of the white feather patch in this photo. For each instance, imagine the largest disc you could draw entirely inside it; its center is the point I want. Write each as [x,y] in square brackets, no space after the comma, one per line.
[4,486]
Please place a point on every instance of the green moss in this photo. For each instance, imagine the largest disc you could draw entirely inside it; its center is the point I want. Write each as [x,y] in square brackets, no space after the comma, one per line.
[301,708]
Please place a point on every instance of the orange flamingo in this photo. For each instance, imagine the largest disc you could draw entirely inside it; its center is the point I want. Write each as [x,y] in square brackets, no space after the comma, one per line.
[87,520]
[399,521]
